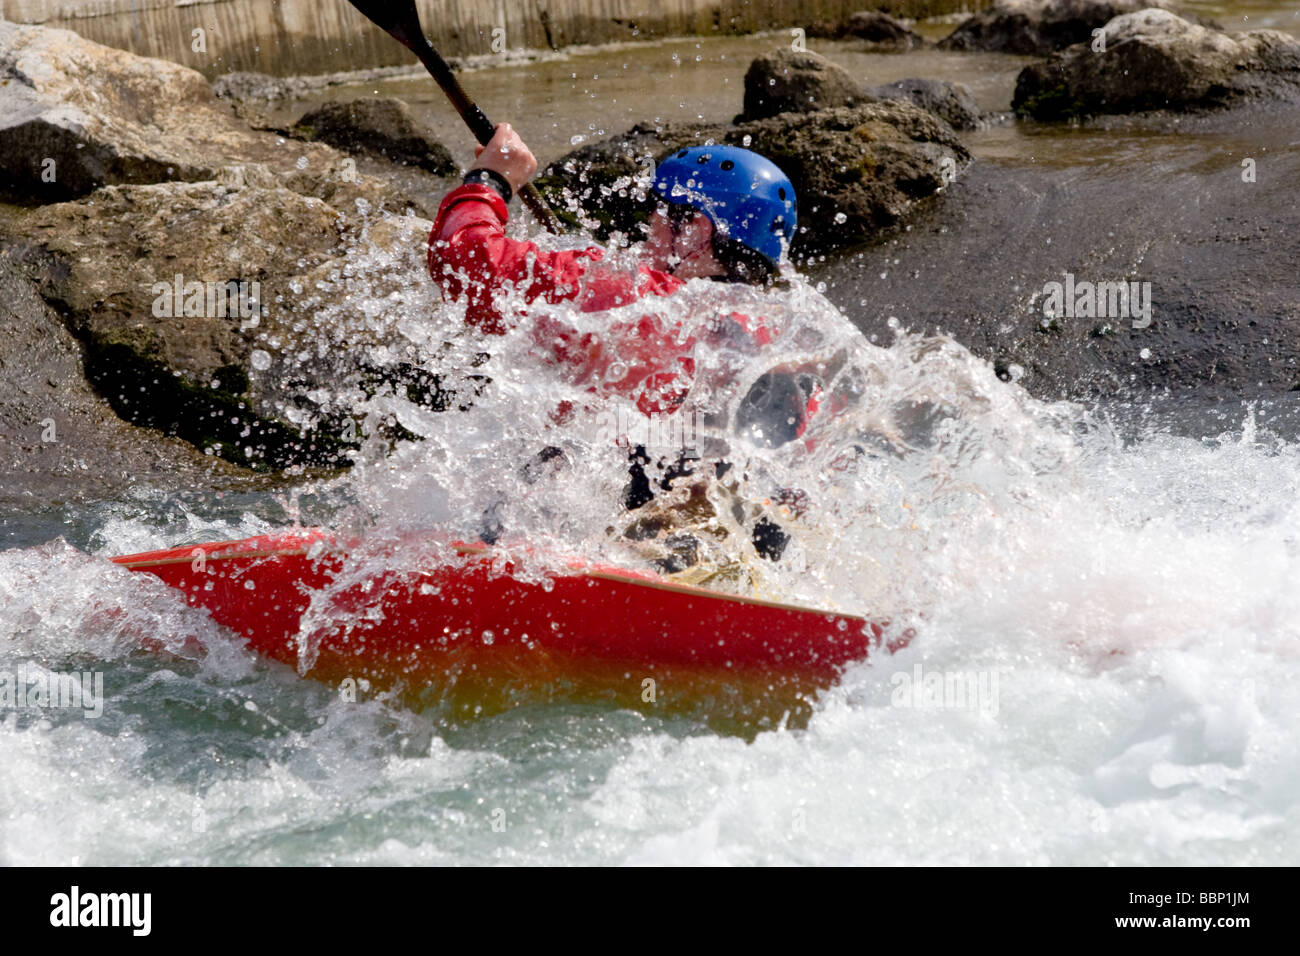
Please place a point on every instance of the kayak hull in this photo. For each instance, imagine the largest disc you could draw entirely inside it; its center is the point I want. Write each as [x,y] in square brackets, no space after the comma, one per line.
[465,619]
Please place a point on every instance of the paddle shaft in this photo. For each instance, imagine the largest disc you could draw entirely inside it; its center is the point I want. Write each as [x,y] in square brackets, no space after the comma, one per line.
[402,21]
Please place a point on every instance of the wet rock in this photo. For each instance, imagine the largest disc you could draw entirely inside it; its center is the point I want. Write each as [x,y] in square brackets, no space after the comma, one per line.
[182,268]
[856,170]
[381,127]
[251,87]
[75,116]
[59,441]
[1037,27]
[825,30]
[788,81]
[881,31]
[361,324]
[1154,60]
[183,295]
[953,102]
[252,96]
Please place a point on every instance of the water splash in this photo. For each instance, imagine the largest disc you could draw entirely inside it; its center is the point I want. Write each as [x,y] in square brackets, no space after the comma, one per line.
[1134,595]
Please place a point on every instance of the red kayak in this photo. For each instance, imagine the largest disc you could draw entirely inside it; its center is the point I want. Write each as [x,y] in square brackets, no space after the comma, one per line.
[465,617]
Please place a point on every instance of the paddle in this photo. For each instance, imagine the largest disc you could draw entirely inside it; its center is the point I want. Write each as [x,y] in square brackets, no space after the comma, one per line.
[401,21]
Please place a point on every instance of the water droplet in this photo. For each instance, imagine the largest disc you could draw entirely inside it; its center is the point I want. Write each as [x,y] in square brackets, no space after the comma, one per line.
[261,360]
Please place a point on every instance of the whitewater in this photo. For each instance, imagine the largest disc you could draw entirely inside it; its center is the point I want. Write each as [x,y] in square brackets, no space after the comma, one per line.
[1103,668]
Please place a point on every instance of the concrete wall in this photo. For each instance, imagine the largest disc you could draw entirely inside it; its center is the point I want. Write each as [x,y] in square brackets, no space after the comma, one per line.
[293,37]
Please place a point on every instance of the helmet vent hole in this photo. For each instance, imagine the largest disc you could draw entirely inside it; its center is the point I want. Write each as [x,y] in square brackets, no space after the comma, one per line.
[682,154]
[781,192]
[727,165]
[704,158]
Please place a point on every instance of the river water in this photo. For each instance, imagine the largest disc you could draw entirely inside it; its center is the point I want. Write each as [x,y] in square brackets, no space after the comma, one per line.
[1119,581]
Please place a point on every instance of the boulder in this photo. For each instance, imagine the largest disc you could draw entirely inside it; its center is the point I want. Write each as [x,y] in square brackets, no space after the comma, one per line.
[879,30]
[198,303]
[1037,27]
[59,441]
[953,102]
[179,186]
[788,81]
[75,115]
[382,127]
[856,170]
[250,87]
[1154,60]
[825,30]
[883,31]
[252,96]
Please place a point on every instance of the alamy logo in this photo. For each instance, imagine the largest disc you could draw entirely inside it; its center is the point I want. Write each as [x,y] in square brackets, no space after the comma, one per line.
[233,298]
[1100,300]
[945,690]
[43,690]
[102,909]
[657,432]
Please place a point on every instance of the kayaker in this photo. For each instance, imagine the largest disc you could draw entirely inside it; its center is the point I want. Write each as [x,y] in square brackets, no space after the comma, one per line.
[724,213]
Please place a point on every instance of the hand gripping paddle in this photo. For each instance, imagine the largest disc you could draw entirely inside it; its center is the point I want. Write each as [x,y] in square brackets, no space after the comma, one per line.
[401,21]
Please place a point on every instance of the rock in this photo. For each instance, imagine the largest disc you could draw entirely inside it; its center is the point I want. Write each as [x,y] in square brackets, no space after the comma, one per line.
[191,365]
[250,207]
[825,30]
[382,127]
[856,170]
[59,441]
[877,27]
[788,81]
[1037,27]
[1155,60]
[253,95]
[75,116]
[880,30]
[953,102]
[883,32]
[288,310]
[250,87]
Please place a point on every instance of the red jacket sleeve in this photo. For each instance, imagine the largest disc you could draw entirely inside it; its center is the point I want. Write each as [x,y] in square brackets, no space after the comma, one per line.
[470,255]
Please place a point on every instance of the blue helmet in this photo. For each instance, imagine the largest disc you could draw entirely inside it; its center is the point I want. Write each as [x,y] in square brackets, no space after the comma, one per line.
[746,195]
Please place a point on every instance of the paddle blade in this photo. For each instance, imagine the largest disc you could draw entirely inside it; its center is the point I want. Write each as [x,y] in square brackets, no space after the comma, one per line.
[398,18]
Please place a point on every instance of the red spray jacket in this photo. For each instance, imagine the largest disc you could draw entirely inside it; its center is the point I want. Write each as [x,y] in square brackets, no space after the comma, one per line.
[471,256]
